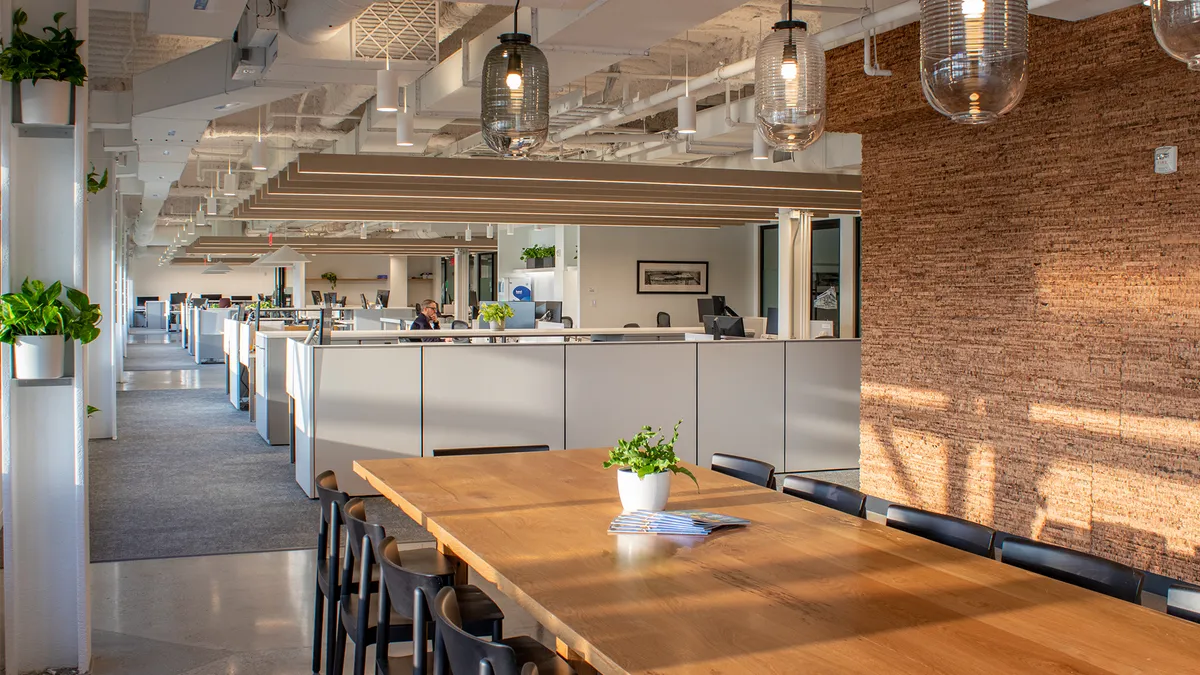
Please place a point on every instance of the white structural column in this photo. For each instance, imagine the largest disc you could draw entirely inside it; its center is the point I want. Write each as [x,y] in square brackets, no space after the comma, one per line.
[101,288]
[462,284]
[398,281]
[803,305]
[299,285]
[848,277]
[44,440]
[787,238]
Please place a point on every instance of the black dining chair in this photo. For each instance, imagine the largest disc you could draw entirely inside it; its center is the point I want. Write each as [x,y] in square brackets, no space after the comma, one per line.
[468,655]
[329,544]
[1184,602]
[409,593]
[750,470]
[839,497]
[489,450]
[1080,569]
[961,534]
[664,320]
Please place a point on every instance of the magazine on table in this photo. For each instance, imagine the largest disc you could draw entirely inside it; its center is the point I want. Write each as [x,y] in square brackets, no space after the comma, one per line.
[696,523]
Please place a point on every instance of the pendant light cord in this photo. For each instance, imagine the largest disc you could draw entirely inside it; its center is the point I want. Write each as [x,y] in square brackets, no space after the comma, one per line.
[518,6]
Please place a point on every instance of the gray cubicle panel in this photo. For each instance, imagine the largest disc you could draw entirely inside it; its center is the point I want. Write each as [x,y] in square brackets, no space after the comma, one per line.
[614,388]
[478,395]
[740,400]
[823,378]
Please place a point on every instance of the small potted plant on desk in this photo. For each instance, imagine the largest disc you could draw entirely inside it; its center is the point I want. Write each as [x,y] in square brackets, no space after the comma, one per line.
[495,313]
[538,257]
[37,323]
[43,69]
[644,469]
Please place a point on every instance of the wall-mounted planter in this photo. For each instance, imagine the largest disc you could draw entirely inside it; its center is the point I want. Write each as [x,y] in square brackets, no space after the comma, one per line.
[46,102]
[39,357]
[539,263]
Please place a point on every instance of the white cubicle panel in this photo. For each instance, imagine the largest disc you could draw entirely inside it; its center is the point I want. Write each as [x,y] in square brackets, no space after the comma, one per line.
[823,382]
[357,418]
[740,400]
[492,395]
[233,365]
[614,388]
[209,329]
[300,387]
[245,340]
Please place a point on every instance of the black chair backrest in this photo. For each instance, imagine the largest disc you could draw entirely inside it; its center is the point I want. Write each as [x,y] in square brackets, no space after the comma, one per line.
[489,450]
[750,470]
[465,652]
[631,325]
[1184,602]
[329,494]
[459,324]
[410,595]
[316,296]
[354,513]
[840,497]
[1081,569]
[948,530]
[568,322]
[664,320]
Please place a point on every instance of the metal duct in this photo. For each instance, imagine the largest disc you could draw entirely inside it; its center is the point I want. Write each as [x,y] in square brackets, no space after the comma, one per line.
[315,21]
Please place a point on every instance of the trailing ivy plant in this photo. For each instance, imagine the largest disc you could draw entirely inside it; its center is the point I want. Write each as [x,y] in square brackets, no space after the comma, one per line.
[331,278]
[96,182]
[535,252]
[643,455]
[38,309]
[33,58]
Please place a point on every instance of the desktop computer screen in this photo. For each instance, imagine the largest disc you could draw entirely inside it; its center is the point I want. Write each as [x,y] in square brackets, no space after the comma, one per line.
[550,310]
[143,299]
[704,308]
[773,321]
[724,326]
[382,296]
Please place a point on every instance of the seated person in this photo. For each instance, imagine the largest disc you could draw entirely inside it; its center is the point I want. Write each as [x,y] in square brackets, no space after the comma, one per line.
[427,320]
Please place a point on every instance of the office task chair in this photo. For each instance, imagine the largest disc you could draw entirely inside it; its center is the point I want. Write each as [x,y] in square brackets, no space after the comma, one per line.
[664,320]
[1080,569]
[961,534]
[459,324]
[316,296]
[568,322]
[341,301]
[750,470]
[839,497]
[631,325]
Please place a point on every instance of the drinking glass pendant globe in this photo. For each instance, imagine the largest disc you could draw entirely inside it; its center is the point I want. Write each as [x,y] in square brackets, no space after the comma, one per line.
[974,57]
[515,97]
[1177,29]
[789,96]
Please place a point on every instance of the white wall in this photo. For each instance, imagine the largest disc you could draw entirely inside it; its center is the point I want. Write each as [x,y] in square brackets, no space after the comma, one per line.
[608,272]
[149,279]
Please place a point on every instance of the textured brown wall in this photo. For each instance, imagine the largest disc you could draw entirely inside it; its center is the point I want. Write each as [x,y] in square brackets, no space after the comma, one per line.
[1031,295]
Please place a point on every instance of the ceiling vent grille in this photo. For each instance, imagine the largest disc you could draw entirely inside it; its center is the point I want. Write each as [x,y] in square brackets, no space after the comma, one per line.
[404,31]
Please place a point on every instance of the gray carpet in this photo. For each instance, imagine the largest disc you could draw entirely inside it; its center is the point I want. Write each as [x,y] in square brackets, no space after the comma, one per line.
[191,476]
[139,356]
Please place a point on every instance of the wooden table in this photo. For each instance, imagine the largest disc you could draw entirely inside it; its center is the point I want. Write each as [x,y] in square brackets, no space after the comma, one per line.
[804,589]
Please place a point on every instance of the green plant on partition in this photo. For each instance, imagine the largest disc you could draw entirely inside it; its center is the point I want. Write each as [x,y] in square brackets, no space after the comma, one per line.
[535,252]
[38,309]
[96,182]
[644,455]
[496,311]
[33,58]
[92,410]
[331,278]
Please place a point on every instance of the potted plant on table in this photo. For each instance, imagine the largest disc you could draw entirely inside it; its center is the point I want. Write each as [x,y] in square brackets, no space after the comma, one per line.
[37,323]
[644,468]
[331,278]
[495,313]
[538,257]
[44,70]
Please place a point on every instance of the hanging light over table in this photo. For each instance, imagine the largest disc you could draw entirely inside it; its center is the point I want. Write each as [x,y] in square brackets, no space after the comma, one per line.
[258,150]
[1177,28]
[404,124]
[515,99]
[229,183]
[789,86]
[974,57]
[387,88]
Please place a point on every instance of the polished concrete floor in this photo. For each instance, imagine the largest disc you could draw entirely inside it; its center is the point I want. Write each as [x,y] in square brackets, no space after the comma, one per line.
[204,377]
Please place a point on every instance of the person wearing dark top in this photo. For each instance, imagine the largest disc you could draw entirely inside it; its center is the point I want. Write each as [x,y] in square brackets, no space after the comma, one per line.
[427,320]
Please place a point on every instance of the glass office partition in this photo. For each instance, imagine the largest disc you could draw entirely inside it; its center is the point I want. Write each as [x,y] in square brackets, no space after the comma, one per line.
[768,266]
[485,280]
[826,273]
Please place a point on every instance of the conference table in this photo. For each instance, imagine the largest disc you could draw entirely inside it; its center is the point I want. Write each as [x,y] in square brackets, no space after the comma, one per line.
[804,588]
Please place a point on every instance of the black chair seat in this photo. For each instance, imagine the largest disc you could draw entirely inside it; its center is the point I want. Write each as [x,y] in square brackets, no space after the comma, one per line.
[479,614]
[399,628]
[323,577]
[529,650]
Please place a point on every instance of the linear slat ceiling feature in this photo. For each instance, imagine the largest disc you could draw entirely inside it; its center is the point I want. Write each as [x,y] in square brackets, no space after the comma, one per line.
[249,246]
[429,189]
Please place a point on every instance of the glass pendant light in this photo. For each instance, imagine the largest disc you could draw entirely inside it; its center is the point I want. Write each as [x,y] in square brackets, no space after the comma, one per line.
[1177,29]
[789,86]
[974,57]
[515,99]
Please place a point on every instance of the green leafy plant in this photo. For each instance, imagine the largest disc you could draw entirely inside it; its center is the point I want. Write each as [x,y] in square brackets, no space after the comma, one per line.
[92,410]
[28,57]
[496,311]
[38,309]
[331,278]
[535,252]
[643,455]
[96,182]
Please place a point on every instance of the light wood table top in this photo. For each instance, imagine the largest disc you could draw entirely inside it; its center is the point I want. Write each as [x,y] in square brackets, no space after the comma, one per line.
[804,589]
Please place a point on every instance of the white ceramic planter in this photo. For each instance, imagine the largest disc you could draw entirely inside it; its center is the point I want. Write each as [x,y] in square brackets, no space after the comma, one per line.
[39,357]
[496,325]
[644,494]
[47,102]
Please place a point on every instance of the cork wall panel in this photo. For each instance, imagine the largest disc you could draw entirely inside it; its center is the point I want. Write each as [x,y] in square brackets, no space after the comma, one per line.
[1031,294]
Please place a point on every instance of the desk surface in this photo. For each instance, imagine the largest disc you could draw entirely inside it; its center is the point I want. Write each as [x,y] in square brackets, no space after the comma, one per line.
[803,589]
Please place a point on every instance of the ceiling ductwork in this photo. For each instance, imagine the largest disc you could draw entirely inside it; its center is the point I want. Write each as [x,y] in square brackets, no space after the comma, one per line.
[312,22]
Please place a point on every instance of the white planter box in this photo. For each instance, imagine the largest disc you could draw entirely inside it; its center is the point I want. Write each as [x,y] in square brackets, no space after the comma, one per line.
[645,494]
[39,357]
[47,102]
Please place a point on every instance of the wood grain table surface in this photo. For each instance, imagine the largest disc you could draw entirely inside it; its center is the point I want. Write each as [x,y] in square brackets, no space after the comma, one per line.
[804,589]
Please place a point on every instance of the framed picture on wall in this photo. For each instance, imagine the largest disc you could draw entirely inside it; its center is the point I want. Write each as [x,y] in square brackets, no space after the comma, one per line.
[672,276]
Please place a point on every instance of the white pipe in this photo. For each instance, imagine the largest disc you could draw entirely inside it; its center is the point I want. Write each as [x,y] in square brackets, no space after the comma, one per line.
[869,68]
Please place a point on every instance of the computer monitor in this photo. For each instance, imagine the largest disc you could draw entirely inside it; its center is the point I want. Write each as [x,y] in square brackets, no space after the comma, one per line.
[724,326]
[382,296]
[241,298]
[773,321]
[207,296]
[705,308]
[363,296]
[316,296]
[718,305]
[178,298]
[330,299]
[143,299]
[550,310]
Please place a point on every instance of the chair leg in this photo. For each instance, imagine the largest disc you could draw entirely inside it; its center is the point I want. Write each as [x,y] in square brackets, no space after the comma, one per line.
[360,657]
[337,655]
[497,630]
[331,625]
[318,629]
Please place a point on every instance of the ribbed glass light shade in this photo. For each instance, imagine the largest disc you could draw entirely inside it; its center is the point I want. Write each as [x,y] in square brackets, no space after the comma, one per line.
[516,121]
[974,56]
[789,87]
[1177,28]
